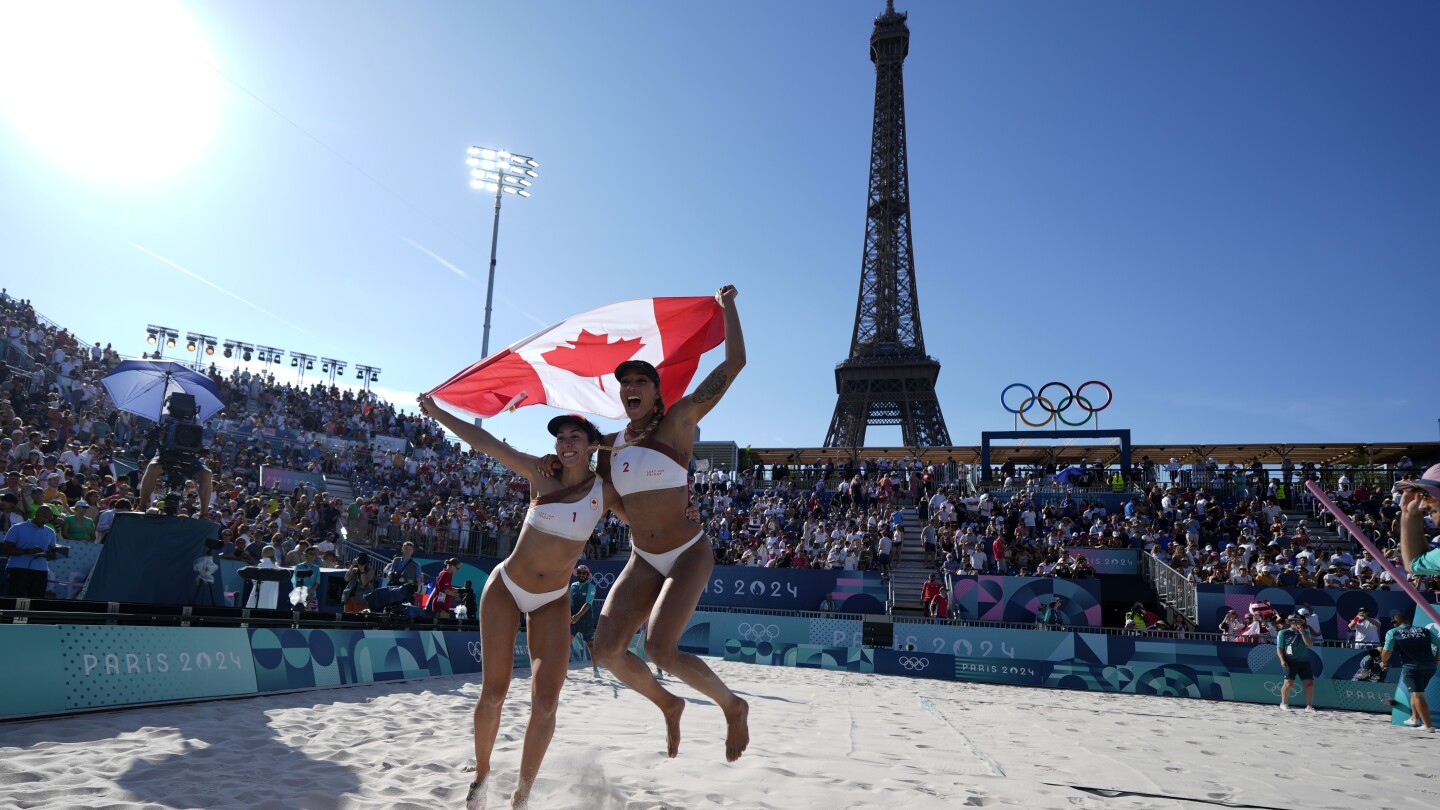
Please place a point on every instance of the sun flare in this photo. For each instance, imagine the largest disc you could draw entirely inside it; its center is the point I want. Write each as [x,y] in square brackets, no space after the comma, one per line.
[119,92]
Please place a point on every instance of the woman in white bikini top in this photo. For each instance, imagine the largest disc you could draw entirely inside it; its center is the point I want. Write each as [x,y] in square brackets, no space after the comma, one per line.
[671,566]
[533,580]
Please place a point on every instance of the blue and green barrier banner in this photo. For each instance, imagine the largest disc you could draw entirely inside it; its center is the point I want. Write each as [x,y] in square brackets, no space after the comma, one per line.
[56,668]
[117,665]
[1109,560]
[1057,659]
[1335,608]
[299,659]
[989,598]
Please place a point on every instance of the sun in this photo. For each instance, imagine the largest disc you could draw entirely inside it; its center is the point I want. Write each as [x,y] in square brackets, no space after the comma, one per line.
[118,92]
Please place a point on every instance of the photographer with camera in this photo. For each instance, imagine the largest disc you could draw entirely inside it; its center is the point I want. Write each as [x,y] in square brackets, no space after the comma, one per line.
[404,568]
[359,584]
[29,545]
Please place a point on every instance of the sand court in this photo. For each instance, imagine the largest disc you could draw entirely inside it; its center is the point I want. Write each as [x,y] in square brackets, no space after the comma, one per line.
[819,739]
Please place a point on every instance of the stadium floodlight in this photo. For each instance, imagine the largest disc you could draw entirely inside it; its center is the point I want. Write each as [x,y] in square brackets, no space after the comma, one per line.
[493,171]
[199,343]
[367,374]
[161,337]
[301,362]
[332,367]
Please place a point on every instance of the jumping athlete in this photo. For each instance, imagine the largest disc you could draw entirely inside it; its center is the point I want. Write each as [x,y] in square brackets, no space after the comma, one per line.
[647,465]
[534,580]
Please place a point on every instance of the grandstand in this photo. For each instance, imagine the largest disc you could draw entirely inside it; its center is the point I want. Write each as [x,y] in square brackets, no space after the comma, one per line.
[345,468]
[797,533]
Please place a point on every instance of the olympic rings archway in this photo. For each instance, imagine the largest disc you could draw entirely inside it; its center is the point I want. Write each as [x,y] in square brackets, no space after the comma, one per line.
[1055,409]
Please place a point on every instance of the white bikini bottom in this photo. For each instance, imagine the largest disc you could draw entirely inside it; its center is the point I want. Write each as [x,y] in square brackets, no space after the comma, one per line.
[664,562]
[525,600]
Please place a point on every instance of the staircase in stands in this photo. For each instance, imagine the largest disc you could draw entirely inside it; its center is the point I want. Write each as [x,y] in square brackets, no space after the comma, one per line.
[908,577]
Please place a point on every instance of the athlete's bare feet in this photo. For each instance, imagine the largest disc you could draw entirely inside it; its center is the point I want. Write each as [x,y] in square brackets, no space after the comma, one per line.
[475,798]
[521,798]
[738,737]
[672,726]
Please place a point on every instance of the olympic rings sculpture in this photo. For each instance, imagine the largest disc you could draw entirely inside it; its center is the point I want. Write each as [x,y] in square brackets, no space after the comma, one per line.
[1057,409]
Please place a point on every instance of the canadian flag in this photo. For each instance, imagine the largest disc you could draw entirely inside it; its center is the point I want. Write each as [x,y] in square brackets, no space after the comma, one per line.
[571,365]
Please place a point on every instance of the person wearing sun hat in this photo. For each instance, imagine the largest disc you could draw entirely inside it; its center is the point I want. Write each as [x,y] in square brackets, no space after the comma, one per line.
[1419,496]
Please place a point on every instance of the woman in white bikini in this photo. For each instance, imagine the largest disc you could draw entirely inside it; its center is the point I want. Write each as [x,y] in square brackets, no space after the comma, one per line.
[672,562]
[534,580]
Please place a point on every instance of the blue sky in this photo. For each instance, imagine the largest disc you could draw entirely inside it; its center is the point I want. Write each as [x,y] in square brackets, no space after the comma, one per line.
[1217,208]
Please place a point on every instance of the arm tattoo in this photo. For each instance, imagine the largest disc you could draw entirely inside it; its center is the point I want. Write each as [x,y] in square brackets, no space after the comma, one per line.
[712,387]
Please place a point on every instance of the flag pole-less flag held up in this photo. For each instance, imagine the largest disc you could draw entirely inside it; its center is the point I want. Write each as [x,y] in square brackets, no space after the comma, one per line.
[570,365]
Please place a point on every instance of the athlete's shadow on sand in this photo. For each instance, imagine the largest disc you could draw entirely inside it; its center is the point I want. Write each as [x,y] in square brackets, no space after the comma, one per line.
[234,757]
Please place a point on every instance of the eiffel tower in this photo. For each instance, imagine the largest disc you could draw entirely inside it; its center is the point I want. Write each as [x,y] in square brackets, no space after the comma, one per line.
[888,379]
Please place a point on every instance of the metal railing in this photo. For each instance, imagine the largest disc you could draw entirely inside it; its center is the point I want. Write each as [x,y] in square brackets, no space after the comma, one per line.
[469,539]
[1220,482]
[1173,587]
[1188,635]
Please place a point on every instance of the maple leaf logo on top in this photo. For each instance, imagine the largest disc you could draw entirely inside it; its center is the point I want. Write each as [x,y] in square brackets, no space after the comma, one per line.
[592,355]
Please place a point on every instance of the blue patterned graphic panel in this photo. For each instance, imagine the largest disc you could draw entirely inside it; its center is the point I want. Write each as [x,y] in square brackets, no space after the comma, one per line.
[299,659]
[1018,599]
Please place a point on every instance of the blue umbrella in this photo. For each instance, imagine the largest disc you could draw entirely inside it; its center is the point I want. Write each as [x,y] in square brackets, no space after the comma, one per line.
[142,387]
[1068,473]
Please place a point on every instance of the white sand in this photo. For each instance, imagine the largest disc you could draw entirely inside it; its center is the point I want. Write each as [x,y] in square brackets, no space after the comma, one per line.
[823,740]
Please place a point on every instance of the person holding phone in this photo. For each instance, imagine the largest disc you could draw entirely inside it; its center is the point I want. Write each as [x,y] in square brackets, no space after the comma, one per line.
[1293,645]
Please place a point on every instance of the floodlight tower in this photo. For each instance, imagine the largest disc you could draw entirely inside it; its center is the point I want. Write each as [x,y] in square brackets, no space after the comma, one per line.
[503,173]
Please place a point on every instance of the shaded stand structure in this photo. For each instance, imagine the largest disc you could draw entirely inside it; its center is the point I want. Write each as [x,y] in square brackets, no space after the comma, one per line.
[989,436]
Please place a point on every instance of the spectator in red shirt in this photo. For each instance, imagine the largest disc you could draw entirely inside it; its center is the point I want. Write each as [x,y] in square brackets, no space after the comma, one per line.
[940,606]
[930,590]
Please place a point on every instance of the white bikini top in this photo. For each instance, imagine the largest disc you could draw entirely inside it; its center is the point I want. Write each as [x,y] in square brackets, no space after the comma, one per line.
[643,467]
[572,520]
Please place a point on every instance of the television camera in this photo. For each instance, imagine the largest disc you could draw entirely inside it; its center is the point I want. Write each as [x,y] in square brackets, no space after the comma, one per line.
[180,442]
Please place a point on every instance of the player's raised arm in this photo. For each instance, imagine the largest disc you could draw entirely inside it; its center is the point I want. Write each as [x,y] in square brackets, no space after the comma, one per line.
[707,394]
[480,438]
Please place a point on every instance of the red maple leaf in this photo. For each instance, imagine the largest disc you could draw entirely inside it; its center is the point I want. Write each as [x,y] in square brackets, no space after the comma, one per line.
[592,355]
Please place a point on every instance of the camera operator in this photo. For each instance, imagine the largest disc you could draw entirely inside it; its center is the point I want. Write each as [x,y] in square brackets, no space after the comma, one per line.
[179,455]
[359,584]
[29,546]
[156,470]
